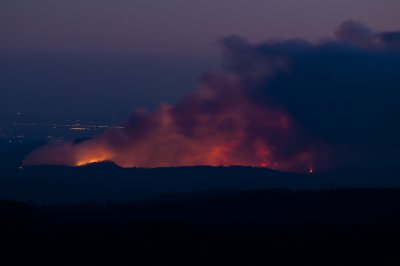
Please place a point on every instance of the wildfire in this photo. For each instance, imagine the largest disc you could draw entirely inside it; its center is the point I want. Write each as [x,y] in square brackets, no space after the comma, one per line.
[216,125]
[87,162]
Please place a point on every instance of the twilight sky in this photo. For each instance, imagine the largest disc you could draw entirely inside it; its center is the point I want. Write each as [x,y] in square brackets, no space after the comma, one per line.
[174,26]
[125,54]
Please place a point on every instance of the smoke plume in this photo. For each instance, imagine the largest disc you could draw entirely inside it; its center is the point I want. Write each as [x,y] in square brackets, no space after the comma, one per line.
[289,105]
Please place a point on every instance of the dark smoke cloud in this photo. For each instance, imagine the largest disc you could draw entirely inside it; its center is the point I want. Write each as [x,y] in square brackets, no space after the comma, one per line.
[362,36]
[345,91]
[286,104]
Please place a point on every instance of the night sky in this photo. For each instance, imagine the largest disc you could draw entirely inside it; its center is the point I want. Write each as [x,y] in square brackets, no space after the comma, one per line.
[191,130]
[82,59]
[280,84]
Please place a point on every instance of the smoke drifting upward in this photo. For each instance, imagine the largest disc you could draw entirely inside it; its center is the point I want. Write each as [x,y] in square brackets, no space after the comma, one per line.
[216,125]
[287,105]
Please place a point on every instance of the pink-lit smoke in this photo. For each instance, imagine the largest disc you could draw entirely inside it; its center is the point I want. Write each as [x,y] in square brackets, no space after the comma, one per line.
[275,105]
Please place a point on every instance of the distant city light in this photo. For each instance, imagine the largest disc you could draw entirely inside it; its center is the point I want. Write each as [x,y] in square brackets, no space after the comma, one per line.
[79,128]
[24,129]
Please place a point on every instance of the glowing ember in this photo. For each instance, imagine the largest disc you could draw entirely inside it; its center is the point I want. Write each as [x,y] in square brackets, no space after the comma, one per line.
[311,169]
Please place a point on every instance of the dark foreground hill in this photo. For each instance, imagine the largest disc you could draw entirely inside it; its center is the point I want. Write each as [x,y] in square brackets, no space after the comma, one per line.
[264,227]
[105,182]
[198,215]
